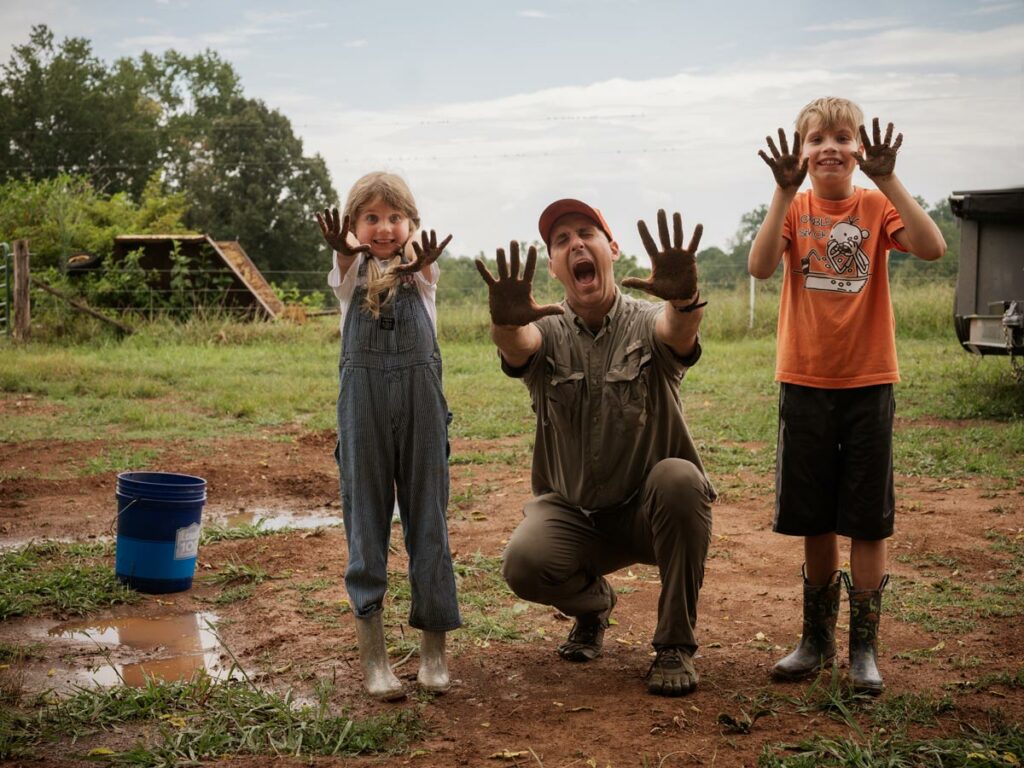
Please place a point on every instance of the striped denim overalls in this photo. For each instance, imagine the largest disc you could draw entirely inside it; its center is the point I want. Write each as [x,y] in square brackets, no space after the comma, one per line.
[393,433]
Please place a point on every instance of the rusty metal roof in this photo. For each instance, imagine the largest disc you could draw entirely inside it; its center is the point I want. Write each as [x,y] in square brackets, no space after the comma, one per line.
[249,280]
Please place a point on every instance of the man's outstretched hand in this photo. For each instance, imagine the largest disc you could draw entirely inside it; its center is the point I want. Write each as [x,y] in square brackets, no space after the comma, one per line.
[673,268]
[787,167]
[335,232]
[879,159]
[426,254]
[510,299]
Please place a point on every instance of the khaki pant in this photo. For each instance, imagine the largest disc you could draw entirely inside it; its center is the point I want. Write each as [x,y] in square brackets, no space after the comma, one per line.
[558,555]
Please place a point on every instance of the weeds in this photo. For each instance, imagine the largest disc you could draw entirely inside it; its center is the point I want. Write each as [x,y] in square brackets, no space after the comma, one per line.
[70,579]
[203,720]
[213,533]
[237,573]
[1001,746]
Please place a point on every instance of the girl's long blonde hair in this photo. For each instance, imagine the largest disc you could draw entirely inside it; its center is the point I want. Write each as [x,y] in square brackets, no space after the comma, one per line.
[392,190]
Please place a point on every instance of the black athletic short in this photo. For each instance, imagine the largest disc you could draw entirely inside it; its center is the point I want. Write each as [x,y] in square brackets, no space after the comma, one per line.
[833,468]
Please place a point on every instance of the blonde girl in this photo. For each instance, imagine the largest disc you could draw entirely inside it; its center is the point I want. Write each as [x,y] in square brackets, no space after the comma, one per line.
[392,421]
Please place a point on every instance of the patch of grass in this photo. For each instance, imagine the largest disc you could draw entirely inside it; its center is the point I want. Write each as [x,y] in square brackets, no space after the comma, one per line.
[929,560]
[972,747]
[897,711]
[513,458]
[833,695]
[316,585]
[948,605]
[233,595]
[213,532]
[942,605]
[70,579]
[237,573]
[119,459]
[204,720]
[1009,679]
[327,613]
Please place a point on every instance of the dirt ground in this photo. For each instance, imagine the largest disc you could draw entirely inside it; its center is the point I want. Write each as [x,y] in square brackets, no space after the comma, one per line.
[519,698]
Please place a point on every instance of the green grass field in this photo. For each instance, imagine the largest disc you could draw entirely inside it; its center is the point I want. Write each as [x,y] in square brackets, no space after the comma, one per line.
[209,379]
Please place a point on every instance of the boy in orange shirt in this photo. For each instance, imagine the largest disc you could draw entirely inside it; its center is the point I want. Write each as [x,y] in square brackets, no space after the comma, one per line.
[836,365]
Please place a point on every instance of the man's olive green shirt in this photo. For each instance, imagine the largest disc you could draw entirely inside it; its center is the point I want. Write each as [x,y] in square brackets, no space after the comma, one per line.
[607,405]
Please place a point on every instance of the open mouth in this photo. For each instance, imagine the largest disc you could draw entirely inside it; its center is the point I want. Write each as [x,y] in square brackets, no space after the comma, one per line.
[584,272]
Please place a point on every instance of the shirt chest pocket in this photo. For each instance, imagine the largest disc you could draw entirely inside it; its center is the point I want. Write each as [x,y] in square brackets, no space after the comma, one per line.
[563,401]
[626,382]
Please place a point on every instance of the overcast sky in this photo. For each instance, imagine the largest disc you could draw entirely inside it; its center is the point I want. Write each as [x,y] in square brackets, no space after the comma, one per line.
[493,109]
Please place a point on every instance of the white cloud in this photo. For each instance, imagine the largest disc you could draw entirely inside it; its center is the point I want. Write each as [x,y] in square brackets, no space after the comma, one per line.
[484,170]
[943,49]
[855,25]
[533,14]
[355,44]
[992,7]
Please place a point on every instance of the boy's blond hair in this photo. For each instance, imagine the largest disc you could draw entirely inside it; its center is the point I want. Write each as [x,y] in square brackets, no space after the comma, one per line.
[832,113]
[391,190]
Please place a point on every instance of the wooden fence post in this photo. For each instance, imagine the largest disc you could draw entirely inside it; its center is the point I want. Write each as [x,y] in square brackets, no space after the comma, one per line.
[22,309]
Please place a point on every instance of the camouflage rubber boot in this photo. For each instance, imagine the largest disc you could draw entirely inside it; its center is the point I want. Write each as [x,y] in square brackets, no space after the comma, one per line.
[865,612]
[817,646]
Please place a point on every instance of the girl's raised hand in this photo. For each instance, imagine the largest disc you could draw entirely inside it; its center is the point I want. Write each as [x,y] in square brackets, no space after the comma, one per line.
[510,299]
[426,254]
[788,169]
[335,232]
[879,159]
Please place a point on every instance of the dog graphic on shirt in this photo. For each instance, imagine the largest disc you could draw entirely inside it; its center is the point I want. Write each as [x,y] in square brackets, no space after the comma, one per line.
[844,267]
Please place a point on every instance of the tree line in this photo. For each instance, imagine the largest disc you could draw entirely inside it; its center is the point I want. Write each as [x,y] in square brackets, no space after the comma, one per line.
[170,144]
[169,131]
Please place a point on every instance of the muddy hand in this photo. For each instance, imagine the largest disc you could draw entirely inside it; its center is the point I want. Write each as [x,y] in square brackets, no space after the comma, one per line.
[510,299]
[335,232]
[788,169]
[673,268]
[879,158]
[426,254]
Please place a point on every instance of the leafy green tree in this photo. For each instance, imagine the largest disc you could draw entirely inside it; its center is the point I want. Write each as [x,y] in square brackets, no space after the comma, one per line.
[63,111]
[236,163]
[252,182]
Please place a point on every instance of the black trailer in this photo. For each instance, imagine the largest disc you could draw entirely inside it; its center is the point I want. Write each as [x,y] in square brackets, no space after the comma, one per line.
[989,308]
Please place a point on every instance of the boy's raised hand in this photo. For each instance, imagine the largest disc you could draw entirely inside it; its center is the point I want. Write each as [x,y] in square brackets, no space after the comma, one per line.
[879,159]
[674,268]
[510,299]
[426,254]
[789,170]
[335,232]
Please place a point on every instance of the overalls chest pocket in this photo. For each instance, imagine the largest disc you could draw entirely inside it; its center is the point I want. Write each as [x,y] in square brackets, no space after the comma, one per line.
[396,330]
[563,400]
[626,383]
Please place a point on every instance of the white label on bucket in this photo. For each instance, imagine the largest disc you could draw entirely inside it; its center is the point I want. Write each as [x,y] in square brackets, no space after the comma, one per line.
[186,542]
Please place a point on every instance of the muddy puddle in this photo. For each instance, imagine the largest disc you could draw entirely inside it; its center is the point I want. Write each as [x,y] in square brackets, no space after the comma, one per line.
[276,519]
[127,650]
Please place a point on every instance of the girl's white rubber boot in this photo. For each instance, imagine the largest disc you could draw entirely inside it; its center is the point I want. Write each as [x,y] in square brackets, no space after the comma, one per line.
[433,674]
[378,679]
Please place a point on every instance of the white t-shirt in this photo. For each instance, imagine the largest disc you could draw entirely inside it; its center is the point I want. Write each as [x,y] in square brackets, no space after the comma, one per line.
[344,287]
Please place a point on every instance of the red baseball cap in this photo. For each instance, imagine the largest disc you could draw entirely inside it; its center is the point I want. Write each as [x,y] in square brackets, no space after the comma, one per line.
[561,208]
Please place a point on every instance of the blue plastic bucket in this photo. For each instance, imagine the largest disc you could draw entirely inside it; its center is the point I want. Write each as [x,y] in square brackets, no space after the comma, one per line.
[159,517]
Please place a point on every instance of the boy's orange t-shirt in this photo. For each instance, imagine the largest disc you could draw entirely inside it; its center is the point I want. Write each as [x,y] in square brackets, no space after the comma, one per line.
[836,324]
